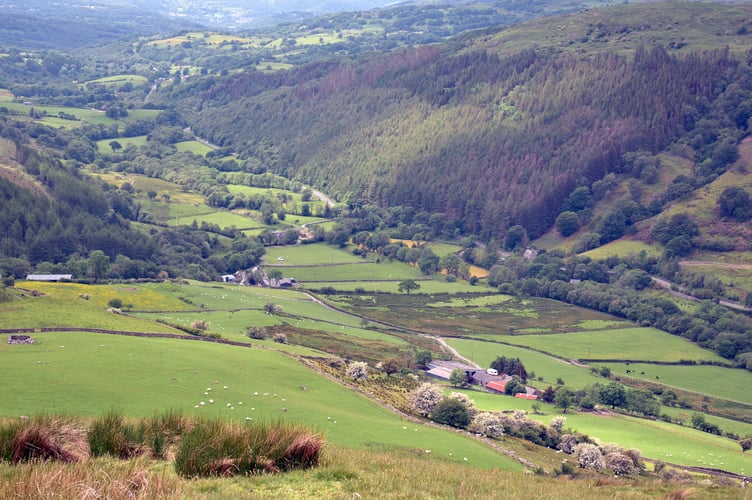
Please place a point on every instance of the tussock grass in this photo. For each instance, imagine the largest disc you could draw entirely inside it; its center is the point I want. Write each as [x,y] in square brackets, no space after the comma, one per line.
[217,448]
[43,438]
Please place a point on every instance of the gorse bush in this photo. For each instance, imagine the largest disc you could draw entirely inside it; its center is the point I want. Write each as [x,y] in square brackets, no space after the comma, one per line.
[216,448]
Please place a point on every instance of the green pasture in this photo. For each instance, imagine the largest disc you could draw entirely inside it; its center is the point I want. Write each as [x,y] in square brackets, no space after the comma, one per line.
[117,80]
[354,272]
[138,141]
[165,212]
[88,374]
[64,305]
[83,115]
[657,440]
[622,248]
[442,249]
[546,367]
[661,440]
[195,147]
[294,200]
[309,255]
[429,286]
[727,383]
[222,218]
[626,343]
[725,424]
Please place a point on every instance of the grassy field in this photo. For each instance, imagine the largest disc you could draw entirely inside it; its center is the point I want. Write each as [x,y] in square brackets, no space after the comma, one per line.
[195,147]
[622,248]
[727,383]
[222,218]
[118,80]
[309,255]
[431,286]
[261,384]
[354,272]
[627,343]
[658,440]
[104,145]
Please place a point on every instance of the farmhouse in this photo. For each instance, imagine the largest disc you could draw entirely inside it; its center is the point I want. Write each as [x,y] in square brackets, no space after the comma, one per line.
[48,277]
[443,369]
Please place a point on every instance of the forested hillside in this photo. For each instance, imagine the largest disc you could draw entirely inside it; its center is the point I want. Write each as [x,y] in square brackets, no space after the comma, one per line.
[490,137]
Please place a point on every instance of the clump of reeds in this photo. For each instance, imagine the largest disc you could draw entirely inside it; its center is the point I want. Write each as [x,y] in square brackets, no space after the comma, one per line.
[43,438]
[217,448]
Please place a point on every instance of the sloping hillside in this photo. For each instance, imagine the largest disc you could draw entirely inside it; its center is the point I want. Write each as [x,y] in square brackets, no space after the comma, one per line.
[496,130]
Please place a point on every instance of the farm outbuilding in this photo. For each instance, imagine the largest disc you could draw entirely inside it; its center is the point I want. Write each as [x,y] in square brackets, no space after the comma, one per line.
[48,277]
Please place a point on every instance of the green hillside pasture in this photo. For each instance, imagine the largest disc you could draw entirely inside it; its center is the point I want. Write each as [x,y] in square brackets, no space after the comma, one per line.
[222,218]
[430,286]
[195,147]
[83,115]
[660,440]
[118,80]
[94,373]
[647,344]
[60,306]
[309,255]
[145,184]
[546,367]
[354,272]
[442,249]
[104,145]
[728,383]
[295,200]
[622,248]
[642,434]
[164,212]
[725,424]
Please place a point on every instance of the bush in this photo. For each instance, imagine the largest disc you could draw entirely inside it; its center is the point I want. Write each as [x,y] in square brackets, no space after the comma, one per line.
[256,332]
[217,448]
[425,398]
[589,456]
[358,370]
[451,412]
[115,303]
[567,443]
[487,423]
[280,338]
[620,463]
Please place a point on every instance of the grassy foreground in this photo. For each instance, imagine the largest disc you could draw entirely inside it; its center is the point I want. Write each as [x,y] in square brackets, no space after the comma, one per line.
[342,474]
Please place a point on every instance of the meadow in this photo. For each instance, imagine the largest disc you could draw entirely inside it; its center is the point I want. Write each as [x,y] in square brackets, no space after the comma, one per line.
[655,439]
[728,383]
[260,384]
[364,271]
[648,344]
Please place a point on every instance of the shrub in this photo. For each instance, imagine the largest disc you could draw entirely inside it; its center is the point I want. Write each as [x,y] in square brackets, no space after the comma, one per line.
[425,398]
[746,444]
[589,456]
[256,332]
[451,412]
[357,370]
[557,424]
[280,338]
[465,400]
[620,463]
[568,443]
[115,303]
[200,324]
[217,448]
[487,423]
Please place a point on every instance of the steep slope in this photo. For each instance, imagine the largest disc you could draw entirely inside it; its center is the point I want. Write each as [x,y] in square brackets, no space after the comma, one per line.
[493,137]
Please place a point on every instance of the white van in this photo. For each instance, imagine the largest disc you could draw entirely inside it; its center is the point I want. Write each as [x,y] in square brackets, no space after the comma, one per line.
[492,371]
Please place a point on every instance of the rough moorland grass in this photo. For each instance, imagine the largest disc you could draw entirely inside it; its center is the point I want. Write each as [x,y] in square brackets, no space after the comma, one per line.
[42,438]
[141,376]
[217,448]
[647,344]
[728,383]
